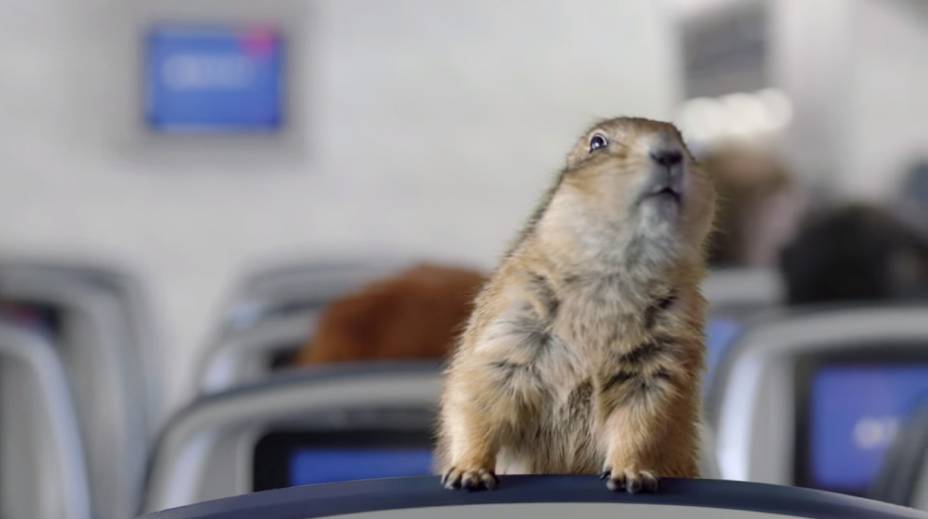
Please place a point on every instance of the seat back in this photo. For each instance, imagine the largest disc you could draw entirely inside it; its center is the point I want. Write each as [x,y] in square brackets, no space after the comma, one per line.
[810,398]
[246,438]
[735,296]
[42,467]
[273,312]
[904,475]
[541,497]
[100,342]
[737,292]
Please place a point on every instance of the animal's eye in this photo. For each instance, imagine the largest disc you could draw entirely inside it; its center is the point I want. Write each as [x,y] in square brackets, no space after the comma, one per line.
[598,141]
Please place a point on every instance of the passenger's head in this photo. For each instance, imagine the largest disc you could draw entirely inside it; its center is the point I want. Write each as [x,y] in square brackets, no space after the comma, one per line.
[854,253]
[758,205]
[416,314]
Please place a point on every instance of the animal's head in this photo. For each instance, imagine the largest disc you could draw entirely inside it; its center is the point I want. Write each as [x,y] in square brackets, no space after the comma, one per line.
[631,192]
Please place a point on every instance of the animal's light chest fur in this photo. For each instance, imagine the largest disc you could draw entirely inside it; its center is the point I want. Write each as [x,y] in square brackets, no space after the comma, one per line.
[593,320]
[597,314]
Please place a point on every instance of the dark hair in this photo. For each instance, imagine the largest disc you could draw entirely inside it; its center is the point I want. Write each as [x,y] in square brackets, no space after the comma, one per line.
[854,253]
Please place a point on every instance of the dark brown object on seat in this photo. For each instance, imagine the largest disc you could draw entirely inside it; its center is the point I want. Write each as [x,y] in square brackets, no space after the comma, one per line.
[758,206]
[414,315]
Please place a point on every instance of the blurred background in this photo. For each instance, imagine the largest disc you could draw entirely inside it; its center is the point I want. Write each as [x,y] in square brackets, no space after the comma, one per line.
[196,195]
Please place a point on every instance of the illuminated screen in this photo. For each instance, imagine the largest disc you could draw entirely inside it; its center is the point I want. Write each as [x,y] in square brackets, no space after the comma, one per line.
[855,412]
[329,465]
[288,458]
[214,79]
[720,333]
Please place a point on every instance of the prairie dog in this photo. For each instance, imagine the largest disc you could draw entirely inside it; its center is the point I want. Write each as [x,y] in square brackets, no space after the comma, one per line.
[585,349]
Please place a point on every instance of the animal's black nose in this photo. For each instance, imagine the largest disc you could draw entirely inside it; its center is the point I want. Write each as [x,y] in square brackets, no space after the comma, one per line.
[667,157]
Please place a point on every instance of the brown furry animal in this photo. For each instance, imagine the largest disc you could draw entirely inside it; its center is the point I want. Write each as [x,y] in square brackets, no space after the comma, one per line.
[585,349]
[413,315]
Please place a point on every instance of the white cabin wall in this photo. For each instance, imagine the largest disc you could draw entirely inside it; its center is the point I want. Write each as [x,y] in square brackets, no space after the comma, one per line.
[431,127]
[856,72]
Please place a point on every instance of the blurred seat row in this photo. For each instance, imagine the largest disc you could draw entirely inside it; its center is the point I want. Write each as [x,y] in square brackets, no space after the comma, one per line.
[74,391]
[826,397]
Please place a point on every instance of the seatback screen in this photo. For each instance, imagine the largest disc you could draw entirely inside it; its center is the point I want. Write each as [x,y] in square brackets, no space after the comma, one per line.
[854,414]
[721,332]
[214,79]
[342,464]
[283,459]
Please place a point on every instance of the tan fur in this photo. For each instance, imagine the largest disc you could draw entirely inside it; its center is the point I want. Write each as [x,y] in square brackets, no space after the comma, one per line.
[585,349]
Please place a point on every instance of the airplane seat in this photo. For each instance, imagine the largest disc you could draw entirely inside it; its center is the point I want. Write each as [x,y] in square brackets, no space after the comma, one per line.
[43,474]
[540,497]
[293,428]
[92,315]
[736,291]
[330,423]
[736,296]
[903,476]
[272,313]
[810,398]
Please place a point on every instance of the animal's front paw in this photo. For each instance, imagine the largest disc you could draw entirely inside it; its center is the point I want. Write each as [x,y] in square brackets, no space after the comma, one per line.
[631,480]
[475,479]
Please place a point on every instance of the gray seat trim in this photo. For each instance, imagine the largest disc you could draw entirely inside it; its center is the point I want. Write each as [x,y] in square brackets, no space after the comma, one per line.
[254,324]
[112,401]
[904,477]
[187,452]
[243,357]
[734,288]
[66,493]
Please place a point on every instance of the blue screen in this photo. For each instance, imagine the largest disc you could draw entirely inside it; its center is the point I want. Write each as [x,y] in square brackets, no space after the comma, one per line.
[329,465]
[214,79]
[855,414]
[720,333]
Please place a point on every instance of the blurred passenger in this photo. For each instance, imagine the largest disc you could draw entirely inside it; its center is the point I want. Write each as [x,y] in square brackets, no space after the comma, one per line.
[758,206]
[414,315]
[855,253]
